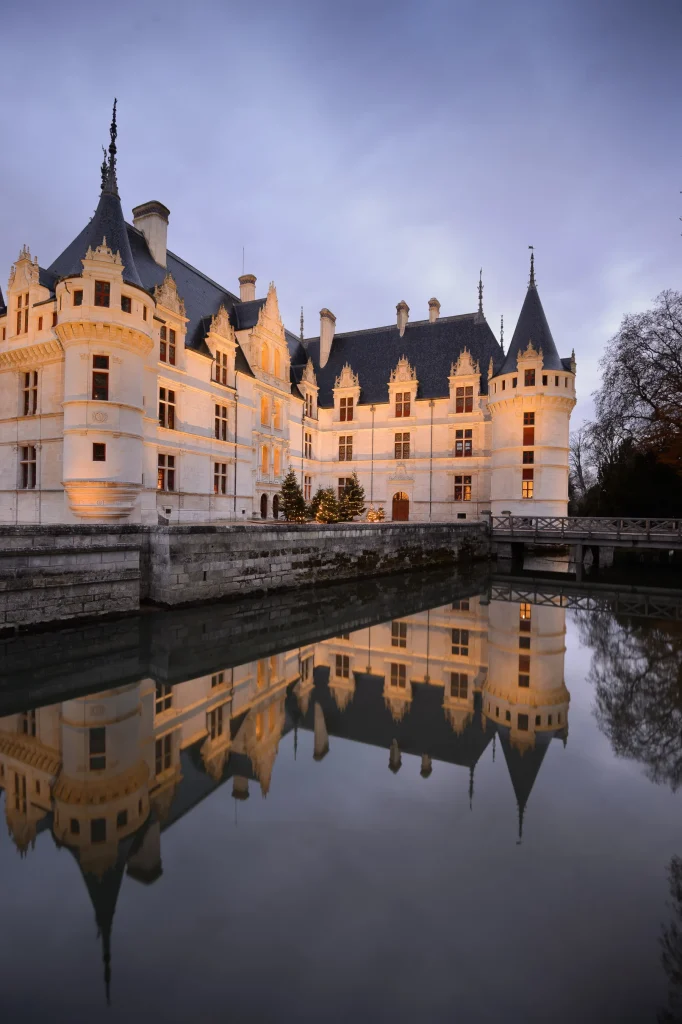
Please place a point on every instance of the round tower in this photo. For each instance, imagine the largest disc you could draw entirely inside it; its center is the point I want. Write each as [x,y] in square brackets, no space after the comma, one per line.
[105,321]
[530,401]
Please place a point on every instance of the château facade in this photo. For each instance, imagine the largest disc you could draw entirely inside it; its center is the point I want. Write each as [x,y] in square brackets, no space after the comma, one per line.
[134,388]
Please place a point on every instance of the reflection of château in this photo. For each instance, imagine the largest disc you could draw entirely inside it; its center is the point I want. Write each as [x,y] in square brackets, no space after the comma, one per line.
[107,773]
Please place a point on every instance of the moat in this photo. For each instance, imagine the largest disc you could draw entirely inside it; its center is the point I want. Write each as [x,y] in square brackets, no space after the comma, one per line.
[428,797]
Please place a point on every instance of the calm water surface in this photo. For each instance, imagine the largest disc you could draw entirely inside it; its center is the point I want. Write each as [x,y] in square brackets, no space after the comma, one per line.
[421,799]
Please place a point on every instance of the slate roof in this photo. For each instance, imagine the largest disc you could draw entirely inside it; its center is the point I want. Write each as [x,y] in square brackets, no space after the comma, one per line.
[431,349]
[532,326]
[107,222]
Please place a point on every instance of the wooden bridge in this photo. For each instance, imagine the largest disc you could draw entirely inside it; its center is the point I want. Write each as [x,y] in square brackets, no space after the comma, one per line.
[588,531]
[639,602]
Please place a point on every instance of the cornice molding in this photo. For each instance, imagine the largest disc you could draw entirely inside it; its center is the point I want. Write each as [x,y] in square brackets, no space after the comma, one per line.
[79,331]
[39,352]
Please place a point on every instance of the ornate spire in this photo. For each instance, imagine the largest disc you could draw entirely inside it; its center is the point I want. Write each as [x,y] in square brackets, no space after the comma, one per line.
[109,183]
[480,292]
[104,167]
[531,283]
[301,323]
[502,333]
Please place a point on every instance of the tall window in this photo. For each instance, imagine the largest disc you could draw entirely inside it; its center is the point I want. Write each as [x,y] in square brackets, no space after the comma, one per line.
[164,698]
[528,428]
[306,669]
[524,669]
[214,722]
[402,403]
[221,367]
[524,617]
[221,422]
[342,666]
[220,478]
[277,462]
[163,753]
[264,460]
[97,749]
[277,417]
[343,480]
[126,304]
[264,411]
[278,364]
[30,393]
[100,378]
[265,358]
[459,685]
[462,488]
[402,446]
[529,378]
[308,445]
[99,452]
[98,830]
[22,314]
[307,487]
[398,675]
[398,634]
[463,443]
[167,345]
[28,723]
[464,399]
[102,293]
[527,483]
[460,642]
[309,406]
[345,448]
[27,467]
[166,473]
[20,793]
[522,723]
[167,408]
[346,409]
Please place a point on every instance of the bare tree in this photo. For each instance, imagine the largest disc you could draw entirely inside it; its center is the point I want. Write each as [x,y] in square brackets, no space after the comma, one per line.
[579,460]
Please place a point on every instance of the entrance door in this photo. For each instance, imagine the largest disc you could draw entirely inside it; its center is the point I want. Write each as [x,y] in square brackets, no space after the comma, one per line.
[275,507]
[264,506]
[401,507]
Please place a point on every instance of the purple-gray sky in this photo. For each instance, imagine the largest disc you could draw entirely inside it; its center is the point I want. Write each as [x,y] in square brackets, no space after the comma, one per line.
[366,152]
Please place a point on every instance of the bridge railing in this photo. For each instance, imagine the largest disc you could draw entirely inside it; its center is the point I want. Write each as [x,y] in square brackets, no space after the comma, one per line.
[584,527]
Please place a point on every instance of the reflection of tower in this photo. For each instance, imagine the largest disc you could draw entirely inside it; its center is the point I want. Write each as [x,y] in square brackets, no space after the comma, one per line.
[101,798]
[525,695]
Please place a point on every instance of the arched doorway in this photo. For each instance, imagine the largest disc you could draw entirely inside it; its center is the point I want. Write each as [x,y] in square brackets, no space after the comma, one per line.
[401,507]
[275,507]
[264,506]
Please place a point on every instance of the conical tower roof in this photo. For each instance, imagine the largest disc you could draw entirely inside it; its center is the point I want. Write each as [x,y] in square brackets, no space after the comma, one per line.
[107,222]
[532,326]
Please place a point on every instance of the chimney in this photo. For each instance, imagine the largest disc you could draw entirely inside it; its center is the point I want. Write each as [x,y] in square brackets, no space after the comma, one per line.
[403,311]
[327,327]
[434,310]
[247,287]
[152,220]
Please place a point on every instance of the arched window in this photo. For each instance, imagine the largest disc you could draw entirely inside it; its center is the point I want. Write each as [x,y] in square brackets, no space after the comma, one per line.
[264,411]
[265,358]
[278,415]
[278,364]
[277,464]
[264,460]
[275,506]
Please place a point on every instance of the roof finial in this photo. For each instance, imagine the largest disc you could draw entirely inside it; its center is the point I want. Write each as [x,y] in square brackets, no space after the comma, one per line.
[480,292]
[301,323]
[531,283]
[502,333]
[109,176]
[104,168]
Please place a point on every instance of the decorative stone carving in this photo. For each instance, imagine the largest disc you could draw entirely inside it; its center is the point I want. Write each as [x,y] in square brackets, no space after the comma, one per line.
[308,374]
[166,294]
[25,268]
[465,365]
[529,353]
[220,324]
[103,254]
[100,417]
[403,373]
[347,379]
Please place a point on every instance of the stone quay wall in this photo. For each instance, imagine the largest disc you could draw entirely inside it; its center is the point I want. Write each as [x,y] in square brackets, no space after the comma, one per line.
[54,573]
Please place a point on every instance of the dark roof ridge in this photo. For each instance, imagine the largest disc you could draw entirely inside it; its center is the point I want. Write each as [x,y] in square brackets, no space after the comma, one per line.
[388,327]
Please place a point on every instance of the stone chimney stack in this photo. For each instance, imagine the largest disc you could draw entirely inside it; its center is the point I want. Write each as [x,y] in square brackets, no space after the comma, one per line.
[247,287]
[434,310]
[152,220]
[403,311]
[327,328]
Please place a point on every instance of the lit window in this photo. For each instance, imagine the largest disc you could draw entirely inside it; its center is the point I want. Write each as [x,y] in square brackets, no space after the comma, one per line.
[276,464]
[30,393]
[527,484]
[220,478]
[264,411]
[167,408]
[398,675]
[264,460]
[459,685]
[464,399]
[100,378]
[221,422]
[402,446]
[278,364]
[345,448]
[460,642]
[166,473]
[462,488]
[27,467]
[277,419]
[463,443]
[529,378]
[342,666]
[399,634]
[98,749]
[102,293]
[99,452]
[164,698]
[346,409]
[402,403]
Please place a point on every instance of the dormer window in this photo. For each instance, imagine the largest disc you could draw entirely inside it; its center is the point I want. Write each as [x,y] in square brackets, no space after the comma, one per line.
[78,297]
[402,403]
[102,293]
[309,406]
[464,399]
[22,314]
[346,409]
[167,345]
[529,378]
[221,367]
